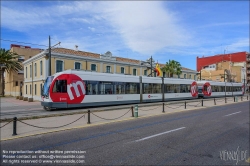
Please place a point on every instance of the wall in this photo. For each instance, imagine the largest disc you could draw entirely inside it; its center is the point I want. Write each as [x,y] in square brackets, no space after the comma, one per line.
[205,61]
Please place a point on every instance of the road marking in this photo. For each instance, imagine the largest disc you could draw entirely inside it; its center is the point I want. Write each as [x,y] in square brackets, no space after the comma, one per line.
[233,113]
[158,134]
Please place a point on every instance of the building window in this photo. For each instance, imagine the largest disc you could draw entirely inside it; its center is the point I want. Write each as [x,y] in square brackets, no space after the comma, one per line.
[164,74]
[30,71]
[35,89]
[26,89]
[145,72]
[190,76]
[134,72]
[77,65]
[179,76]
[30,89]
[26,72]
[21,58]
[122,70]
[35,70]
[184,75]
[16,83]
[59,66]
[41,67]
[93,67]
[108,69]
[194,77]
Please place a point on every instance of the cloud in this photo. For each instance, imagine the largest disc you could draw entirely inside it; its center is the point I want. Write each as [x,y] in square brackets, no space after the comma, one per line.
[146,27]
[21,19]
[238,45]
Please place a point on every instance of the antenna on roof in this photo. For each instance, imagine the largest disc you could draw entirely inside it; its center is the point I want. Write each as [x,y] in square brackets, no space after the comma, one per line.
[76,47]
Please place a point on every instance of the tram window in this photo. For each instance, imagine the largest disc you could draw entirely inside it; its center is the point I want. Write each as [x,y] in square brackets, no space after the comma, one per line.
[184,88]
[156,88]
[151,88]
[146,88]
[222,89]
[132,88]
[119,88]
[106,88]
[172,88]
[60,86]
[92,87]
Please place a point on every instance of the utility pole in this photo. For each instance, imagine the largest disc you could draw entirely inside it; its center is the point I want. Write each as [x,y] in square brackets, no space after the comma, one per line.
[244,84]
[49,58]
[225,82]
[151,65]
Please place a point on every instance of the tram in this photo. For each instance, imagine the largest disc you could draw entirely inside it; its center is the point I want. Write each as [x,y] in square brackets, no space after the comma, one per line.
[79,88]
[208,89]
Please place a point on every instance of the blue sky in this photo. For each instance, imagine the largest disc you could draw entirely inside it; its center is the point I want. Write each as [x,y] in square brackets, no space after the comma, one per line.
[176,30]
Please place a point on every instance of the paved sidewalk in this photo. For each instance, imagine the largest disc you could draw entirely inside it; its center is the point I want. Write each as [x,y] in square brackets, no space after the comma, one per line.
[60,123]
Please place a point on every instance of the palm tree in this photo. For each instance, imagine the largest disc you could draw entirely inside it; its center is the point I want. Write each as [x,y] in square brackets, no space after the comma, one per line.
[172,67]
[8,62]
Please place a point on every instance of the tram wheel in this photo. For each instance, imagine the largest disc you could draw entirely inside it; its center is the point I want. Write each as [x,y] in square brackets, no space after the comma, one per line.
[47,108]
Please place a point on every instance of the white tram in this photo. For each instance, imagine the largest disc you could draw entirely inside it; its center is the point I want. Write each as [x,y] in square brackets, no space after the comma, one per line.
[78,88]
[207,89]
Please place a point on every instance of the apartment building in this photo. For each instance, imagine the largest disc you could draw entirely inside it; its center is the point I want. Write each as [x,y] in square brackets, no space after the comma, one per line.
[14,80]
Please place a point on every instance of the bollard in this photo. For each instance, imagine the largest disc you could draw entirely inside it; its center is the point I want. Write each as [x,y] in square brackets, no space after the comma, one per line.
[88,116]
[163,108]
[136,110]
[14,126]
[132,110]
[241,98]
[202,102]
[185,104]
[214,102]
[234,98]
[225,100]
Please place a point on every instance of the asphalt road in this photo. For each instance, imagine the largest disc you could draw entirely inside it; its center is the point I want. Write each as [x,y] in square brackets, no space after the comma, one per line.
[208,136]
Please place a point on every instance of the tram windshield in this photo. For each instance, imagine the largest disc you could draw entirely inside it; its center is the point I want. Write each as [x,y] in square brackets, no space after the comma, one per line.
[47,85]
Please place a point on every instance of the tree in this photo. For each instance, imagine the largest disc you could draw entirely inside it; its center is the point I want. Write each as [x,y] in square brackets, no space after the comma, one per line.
[172,67]
[8,62]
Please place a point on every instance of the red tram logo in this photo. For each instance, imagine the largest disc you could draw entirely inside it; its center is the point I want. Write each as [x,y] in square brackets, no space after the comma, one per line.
[76,89]
[194,89]
[207,89]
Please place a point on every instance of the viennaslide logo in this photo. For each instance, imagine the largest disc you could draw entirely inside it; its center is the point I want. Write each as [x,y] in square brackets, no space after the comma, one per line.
[234,155]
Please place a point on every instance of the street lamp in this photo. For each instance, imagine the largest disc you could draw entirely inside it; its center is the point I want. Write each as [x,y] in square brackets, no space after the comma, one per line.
[48,55]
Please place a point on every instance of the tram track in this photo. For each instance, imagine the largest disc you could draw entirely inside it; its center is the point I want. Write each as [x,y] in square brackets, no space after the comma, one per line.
[39,112]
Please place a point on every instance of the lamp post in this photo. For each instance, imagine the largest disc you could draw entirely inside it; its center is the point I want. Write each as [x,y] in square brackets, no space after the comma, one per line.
[49,55]
[49,58]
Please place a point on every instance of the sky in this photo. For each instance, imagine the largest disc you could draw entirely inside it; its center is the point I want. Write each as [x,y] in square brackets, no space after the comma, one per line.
[165,30]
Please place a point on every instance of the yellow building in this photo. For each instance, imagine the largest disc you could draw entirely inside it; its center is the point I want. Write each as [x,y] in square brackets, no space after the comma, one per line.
[231,71]
[36,68]
[14,80]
